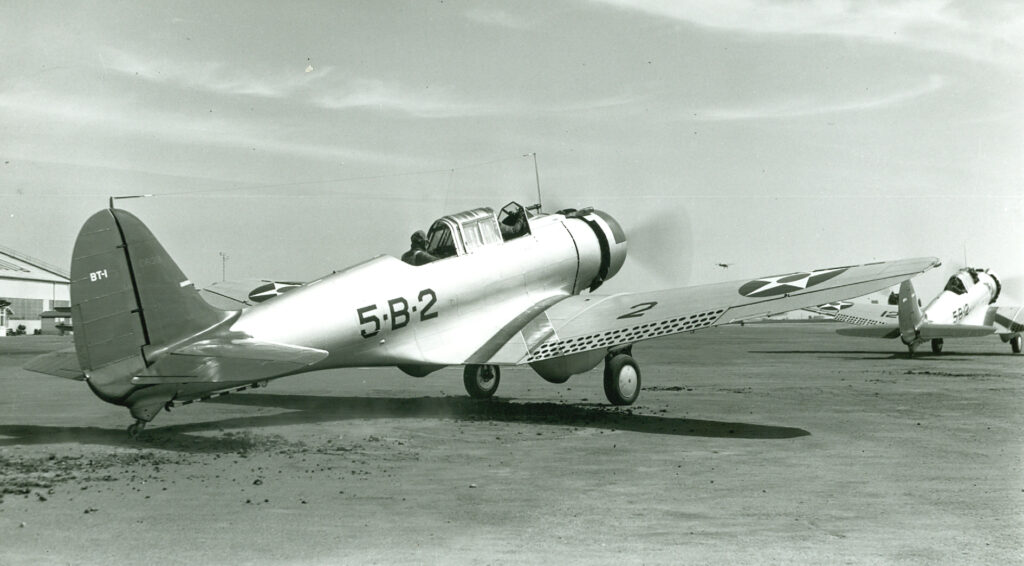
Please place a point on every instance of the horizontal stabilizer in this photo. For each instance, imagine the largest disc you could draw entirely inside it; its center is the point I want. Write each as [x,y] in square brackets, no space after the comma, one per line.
[927,331]
[62,363]
[879,331]
[248,349]
[223,360]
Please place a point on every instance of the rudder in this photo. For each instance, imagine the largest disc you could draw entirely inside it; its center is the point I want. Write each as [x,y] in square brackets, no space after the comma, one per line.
[909,312]
[128,299]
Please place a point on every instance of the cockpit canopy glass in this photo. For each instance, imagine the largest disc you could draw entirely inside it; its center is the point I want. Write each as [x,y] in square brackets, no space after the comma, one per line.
[512,221]
[956,285]
[440,242]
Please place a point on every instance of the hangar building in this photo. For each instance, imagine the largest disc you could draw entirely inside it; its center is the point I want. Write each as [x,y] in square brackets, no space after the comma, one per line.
[32,287]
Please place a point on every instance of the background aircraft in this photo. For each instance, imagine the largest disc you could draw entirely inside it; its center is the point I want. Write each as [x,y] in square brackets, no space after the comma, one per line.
[963,309]
[498,289]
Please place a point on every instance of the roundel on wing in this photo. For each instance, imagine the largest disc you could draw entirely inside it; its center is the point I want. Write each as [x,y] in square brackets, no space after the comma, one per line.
[788,283]
[271,290]
[836,306]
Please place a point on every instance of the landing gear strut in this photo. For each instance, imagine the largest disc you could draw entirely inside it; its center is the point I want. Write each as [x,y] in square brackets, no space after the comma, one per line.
[621,378]
[135,428]
[910,350]
[481,380]
[937,345]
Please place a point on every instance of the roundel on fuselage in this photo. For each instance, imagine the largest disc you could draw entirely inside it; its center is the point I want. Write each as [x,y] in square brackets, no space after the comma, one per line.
[271,290]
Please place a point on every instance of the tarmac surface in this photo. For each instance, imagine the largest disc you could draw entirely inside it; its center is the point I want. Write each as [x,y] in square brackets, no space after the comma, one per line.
[771,443]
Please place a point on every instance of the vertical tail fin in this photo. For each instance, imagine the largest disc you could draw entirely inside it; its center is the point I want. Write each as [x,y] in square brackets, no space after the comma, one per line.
[128,298]
[910,314]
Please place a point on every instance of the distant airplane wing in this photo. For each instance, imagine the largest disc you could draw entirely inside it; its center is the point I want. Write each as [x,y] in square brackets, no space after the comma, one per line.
[858,313]
[926,331]
[588,322]
[1008,320]
[874,331]
[236,295]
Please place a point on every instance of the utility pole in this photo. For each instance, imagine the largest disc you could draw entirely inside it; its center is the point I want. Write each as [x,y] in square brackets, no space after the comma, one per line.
[223,265]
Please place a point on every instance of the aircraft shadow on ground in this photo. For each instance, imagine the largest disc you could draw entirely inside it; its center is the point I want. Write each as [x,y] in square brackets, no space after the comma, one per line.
[304,409]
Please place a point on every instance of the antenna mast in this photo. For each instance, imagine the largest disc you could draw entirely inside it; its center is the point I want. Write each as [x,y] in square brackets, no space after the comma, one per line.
[110,203]
[536,175]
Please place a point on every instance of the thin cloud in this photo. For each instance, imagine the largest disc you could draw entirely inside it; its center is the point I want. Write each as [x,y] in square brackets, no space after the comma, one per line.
[212,76]
[807,106]
[125,118]
[328,90]
[496,17]
[988,31]
[423,103]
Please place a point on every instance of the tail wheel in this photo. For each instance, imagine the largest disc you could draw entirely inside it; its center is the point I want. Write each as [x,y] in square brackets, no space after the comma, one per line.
[621,379]
[481,380]
[1015,343]
[937,345]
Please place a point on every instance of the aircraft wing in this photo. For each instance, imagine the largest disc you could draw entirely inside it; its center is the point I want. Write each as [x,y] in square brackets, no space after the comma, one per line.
[1008,320]
[858,313]
[927,331]
[583,323]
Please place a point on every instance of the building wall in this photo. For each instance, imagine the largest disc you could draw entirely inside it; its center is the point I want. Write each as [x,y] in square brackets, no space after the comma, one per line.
[29,299]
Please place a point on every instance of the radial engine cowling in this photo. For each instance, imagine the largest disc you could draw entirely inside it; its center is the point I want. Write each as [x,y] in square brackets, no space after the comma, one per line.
[601,244]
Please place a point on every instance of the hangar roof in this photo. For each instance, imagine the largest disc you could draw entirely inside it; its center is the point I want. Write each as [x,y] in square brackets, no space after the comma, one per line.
[16,265]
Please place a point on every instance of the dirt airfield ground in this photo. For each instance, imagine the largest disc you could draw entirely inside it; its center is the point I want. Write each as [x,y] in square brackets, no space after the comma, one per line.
[774,443]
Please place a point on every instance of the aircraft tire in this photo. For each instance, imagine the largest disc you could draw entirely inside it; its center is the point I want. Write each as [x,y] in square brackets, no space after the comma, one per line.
[1015,343]
[135,428]
[937,345]
[481,380]
[621,379]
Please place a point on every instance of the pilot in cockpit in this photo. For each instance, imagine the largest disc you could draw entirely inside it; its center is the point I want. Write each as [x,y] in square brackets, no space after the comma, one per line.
[418,254]
[512,221]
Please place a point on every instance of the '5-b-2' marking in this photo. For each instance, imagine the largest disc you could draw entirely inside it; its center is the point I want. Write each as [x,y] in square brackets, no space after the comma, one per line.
[399,312]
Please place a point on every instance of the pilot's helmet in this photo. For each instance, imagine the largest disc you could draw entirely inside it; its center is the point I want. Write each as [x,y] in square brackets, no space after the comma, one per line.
[418,238]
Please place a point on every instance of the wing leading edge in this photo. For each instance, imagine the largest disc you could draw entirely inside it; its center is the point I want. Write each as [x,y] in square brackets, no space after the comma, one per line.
[584,323]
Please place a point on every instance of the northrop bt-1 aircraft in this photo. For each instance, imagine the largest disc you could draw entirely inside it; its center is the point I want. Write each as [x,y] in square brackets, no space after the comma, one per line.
[963,309]
[479,289]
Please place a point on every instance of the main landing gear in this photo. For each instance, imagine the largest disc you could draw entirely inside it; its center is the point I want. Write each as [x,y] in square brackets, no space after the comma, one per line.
[937,345]
[1015,343]
[621,377]
[135,428]
[481,380]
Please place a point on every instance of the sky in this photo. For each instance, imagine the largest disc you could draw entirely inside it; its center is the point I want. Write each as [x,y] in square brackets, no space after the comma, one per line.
[298,138]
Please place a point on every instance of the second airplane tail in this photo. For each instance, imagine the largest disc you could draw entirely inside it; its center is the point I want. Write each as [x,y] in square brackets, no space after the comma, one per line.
[910,315]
